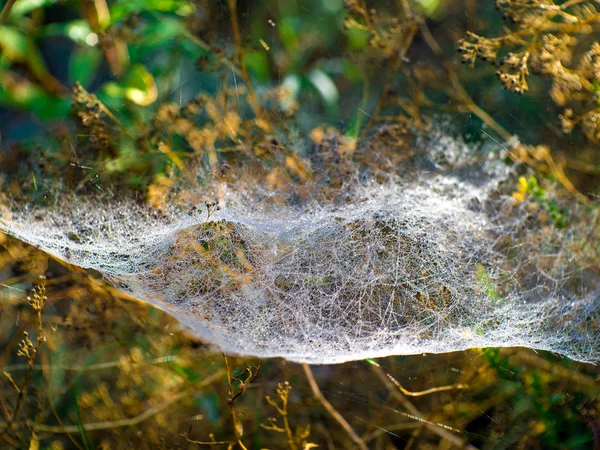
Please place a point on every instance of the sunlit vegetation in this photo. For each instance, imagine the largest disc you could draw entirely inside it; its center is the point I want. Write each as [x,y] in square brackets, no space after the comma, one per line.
[129,97]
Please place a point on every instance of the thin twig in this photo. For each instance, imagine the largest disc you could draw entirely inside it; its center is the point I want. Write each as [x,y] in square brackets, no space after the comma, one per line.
[237,424]
[331,410]
[427,391]
[414,413]
[22,394]
[11,441]
[396,65]
[91,367]
[237,36]
[29,350]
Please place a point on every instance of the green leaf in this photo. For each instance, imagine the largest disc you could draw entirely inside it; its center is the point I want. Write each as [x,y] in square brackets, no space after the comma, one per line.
[122,8]
[325,85]
[162,32]
[287,33]
[113,90]
[140,87]
[19,48]
[83,65]
[357,39]
[76,30]
[23,94]
[23,7]
[258,63]
[432,8]
[13,44]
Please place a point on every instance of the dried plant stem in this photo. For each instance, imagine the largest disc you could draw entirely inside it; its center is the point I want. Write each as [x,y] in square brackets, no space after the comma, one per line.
[91,367]
[205,46]
[292,160]
[397,64]
[30,351]
[237,36]
[331,410]
[388,84]
[108,424]
[231,402]
[414,413]
[94,426]
[427,391]
[389,429]
[12,442]
[462,95]
[22,394]
[519,156]
[570,3]
[244,379]
[228,443]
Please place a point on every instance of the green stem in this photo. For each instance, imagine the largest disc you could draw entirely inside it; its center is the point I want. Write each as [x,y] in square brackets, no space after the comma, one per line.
[6,11]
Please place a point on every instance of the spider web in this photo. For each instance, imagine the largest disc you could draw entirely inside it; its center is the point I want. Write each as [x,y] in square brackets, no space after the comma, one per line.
[436,259]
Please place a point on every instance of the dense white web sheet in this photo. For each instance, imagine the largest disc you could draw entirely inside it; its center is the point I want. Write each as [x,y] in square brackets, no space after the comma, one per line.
[432,262]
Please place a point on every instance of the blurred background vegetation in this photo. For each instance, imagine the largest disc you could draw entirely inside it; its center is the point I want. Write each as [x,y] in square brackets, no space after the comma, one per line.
[128,96]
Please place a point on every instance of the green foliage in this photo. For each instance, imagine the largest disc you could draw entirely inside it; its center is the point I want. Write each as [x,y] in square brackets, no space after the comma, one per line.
[554,213]
[303,66]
